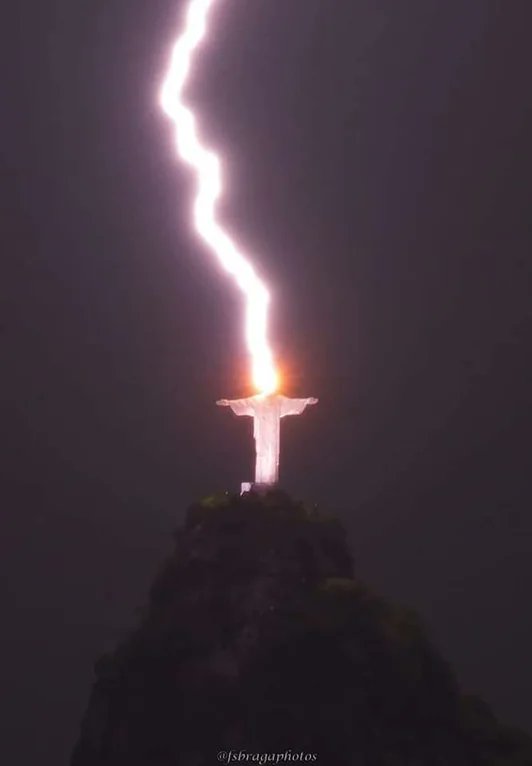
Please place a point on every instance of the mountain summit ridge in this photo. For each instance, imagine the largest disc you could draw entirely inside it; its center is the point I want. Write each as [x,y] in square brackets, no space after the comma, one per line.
[259,637]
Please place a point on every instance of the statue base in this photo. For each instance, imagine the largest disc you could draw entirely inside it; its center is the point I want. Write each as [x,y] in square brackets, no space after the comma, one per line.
[252,486]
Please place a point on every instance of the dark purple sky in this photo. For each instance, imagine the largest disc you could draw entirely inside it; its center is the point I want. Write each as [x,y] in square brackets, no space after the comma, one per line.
[377,157]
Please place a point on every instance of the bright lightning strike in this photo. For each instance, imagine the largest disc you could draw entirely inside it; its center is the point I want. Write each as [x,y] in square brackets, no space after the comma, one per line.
[207,167]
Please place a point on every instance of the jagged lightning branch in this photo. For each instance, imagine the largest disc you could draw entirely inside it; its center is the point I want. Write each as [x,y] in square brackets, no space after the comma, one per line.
[207,166]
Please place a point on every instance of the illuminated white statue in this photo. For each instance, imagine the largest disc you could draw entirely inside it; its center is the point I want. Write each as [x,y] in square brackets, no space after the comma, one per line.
[267,411]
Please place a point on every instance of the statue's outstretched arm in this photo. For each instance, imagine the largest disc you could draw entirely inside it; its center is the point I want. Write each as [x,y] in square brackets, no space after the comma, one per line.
[295,406]
[239,406]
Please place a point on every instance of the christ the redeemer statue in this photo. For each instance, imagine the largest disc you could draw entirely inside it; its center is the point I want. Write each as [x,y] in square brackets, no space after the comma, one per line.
[267,411]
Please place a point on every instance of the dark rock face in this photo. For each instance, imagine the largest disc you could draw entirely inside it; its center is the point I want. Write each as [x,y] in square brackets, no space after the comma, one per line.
[258,638]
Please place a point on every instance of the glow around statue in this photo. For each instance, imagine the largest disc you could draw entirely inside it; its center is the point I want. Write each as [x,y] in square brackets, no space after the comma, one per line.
[267,411]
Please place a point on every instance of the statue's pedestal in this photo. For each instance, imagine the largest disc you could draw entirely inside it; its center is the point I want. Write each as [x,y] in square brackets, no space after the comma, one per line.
[252,486]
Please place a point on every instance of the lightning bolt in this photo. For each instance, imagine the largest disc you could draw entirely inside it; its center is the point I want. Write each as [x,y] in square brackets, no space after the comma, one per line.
[206,165]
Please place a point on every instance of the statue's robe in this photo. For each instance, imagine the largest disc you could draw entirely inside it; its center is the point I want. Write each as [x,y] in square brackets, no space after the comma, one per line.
[267,412]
